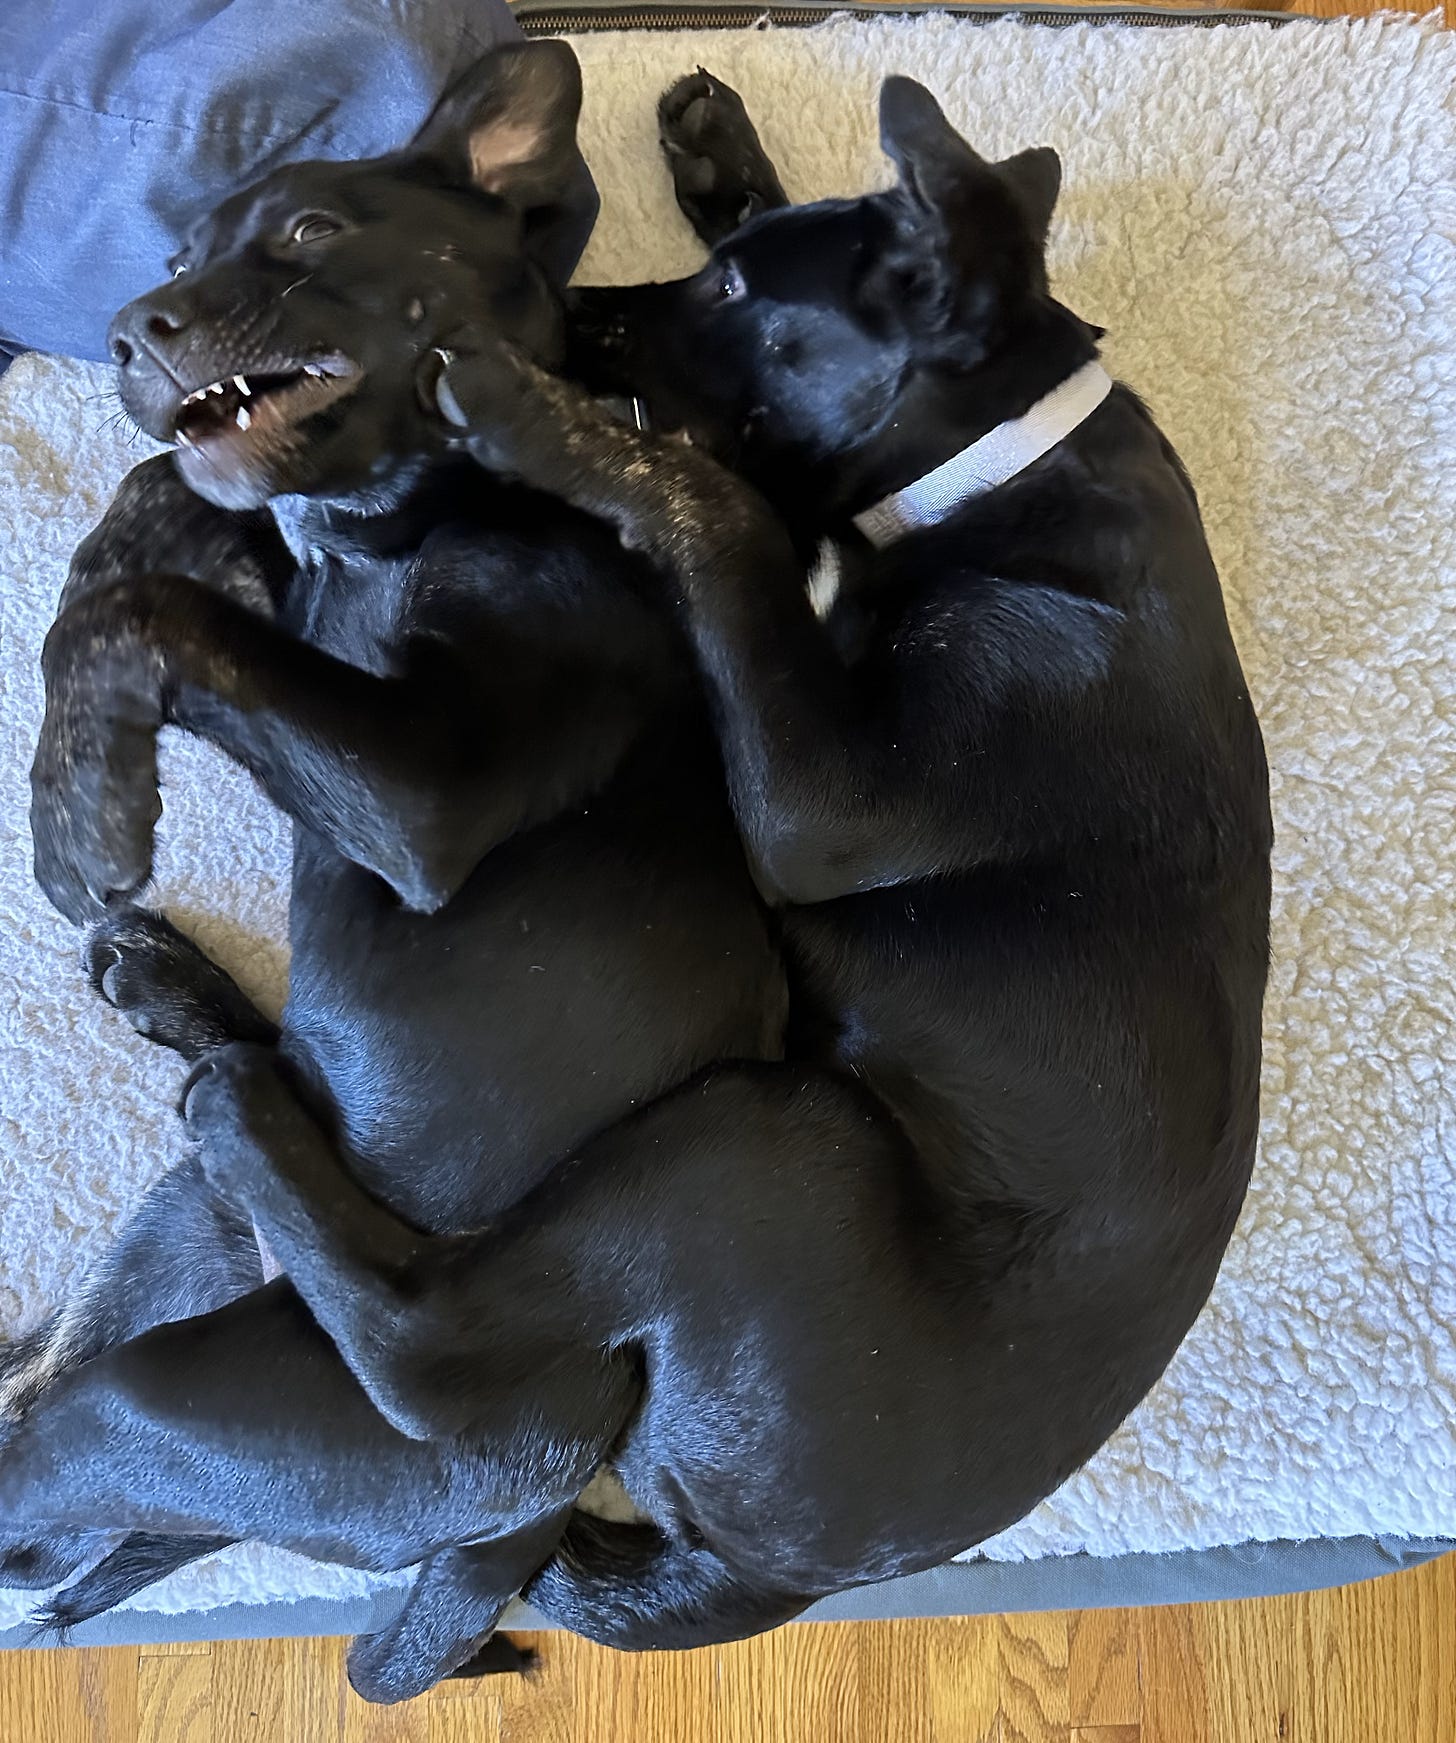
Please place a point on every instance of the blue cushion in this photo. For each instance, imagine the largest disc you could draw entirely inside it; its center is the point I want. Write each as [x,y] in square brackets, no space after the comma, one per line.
[121,120]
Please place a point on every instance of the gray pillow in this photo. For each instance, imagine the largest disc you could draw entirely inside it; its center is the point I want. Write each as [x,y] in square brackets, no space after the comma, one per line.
[121,120]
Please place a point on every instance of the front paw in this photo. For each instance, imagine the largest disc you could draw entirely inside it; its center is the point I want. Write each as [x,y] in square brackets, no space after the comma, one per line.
[721,174]
[166,988]
[94,798]
[517,419]
[93,811]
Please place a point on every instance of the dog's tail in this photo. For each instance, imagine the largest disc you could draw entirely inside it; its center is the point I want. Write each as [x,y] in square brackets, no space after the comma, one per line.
[138,1561]
[633,1587]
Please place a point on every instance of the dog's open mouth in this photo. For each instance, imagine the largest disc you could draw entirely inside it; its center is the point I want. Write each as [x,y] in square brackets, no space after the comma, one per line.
[249,412]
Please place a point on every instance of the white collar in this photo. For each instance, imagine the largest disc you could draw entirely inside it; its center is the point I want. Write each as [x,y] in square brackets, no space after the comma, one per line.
[998,456]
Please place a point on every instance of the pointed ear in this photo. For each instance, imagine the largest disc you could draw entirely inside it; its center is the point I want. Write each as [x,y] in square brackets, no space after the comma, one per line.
[972,233]
[507,127]
[1035,177]
[930,155]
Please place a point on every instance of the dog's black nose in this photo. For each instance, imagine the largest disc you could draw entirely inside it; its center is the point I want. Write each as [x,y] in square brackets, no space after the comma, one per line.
[146,324]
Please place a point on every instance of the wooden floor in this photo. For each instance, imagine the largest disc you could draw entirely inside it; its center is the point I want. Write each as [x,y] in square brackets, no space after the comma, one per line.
[1374,1663]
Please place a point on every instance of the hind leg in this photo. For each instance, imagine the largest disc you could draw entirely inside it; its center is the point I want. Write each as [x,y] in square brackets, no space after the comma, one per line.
[400,1305]
[720,171]
[185,1251]
[245,1423]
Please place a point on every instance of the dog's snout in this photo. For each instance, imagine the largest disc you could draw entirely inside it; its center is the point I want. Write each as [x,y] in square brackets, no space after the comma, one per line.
[146,324]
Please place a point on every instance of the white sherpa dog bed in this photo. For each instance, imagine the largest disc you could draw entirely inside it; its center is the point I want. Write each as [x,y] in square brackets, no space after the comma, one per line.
[1265,221]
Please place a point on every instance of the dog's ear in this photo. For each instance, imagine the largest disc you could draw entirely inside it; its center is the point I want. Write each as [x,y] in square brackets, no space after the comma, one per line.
[1035,177]
[507,127]
[976,229]
[936,165]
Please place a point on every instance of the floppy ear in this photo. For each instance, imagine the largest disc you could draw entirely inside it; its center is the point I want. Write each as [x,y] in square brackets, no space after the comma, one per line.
[507,127]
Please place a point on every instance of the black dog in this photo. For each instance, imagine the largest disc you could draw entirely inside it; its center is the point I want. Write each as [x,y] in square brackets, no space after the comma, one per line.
[458,672]
[1020,842]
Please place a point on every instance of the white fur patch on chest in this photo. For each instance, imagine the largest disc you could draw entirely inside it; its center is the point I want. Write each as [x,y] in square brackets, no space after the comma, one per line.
[824,579]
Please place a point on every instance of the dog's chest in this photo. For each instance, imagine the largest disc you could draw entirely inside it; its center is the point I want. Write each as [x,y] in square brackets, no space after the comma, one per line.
[357,608]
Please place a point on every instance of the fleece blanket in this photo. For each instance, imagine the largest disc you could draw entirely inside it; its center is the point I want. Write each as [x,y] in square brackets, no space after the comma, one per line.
[1265,221]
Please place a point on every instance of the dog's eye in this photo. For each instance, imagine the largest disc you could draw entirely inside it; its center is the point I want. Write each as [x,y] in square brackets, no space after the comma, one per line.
[313,228]
[730,284]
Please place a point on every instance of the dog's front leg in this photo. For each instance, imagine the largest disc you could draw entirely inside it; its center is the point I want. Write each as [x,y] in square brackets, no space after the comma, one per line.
[840,782]
[415,776]
[368,762]
[155,524]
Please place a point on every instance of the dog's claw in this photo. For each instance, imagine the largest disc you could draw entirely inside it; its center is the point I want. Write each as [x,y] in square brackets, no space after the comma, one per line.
[450,408]
[226,1090]
[194,1081]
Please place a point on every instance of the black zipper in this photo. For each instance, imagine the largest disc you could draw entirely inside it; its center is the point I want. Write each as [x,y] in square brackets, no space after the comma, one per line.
[541,18]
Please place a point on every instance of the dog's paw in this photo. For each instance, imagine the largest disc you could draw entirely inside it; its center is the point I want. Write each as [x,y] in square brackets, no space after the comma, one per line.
[94,797]
[93,811]
[166,988]
[518,420]
[484,390]
[383,1668]
[721,174]
[380,1673]
[231,1102]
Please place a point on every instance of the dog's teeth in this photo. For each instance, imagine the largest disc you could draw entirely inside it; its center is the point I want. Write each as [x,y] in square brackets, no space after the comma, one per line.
[244,417]
[217,387]
[312,369]
[240,382]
